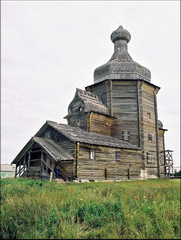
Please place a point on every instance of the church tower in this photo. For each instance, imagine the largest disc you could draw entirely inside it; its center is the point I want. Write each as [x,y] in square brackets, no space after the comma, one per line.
[125,88]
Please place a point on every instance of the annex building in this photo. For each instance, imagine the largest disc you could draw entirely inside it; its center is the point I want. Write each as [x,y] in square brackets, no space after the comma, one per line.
[112,131]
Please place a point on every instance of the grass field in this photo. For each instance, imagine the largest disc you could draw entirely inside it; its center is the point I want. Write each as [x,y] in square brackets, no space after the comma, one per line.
[147,209]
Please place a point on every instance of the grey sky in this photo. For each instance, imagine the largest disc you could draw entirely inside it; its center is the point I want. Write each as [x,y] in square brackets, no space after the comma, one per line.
[48,48]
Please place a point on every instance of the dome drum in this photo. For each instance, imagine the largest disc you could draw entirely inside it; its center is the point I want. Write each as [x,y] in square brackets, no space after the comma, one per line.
[121,70]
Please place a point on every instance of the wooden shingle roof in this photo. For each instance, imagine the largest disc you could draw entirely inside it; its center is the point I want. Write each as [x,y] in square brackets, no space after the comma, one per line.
[53,149]
[77,134]
[49,146]
[90,101]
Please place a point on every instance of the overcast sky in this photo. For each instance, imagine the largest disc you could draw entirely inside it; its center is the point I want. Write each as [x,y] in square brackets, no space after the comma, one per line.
[48,48]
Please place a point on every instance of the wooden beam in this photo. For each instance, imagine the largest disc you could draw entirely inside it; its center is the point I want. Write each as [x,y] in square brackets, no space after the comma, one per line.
[111,98]
[137,88]
[76,158]
[156,128]
[29,158]
[15,171]
[41,167]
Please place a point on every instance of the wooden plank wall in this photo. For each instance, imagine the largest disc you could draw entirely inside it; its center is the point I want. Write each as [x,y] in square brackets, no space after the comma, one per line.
[101,124]
[61,140]
[102,90]
[125,108]
[105,159]
[67,165]
[81,117]
[149,127]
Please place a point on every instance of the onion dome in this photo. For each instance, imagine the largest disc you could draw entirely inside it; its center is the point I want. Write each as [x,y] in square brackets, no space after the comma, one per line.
[120,34]
[121,66]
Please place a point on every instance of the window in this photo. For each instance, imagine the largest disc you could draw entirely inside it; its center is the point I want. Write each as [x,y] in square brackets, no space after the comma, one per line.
[118,156]
[92,154]
[149,158]
[47,134]
[149,115]
[149,137]
[78,123]
[81,109]
[125,135]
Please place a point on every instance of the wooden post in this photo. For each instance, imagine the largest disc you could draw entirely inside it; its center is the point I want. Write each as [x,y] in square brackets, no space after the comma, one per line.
[24,160]
[16,170]
[111,98]
[141,124]
[165,173]
[156,128]
[51,173]
[41,166]
[128,174]
[137,89]
[29,159]
[77,156]
[105,173]
[46,163]
[53,168]
[19,168]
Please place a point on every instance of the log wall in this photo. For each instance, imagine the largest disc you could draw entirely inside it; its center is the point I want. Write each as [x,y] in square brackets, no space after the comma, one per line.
[100,124]
[63,141]
[105,159]
[148,122]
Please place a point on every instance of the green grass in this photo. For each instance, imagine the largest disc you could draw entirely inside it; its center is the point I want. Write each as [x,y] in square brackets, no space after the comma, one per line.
[105,210]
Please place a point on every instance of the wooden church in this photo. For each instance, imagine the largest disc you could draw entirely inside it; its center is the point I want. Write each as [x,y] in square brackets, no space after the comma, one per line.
[112,131]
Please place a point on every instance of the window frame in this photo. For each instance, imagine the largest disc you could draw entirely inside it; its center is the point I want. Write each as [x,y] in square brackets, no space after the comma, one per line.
[149,158]
[117,156]
[92,154]
[81,109]
[123,135]
[149,116]
[150,137]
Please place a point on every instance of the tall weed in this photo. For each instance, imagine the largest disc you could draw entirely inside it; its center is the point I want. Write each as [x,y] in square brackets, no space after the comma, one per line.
[105,210]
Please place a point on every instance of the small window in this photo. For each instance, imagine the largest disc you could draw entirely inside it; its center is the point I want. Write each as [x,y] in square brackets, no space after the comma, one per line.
[92,154]
[149,115]
[118,156]
[149,137]
[125,135]
[47,134]
[81,109]
[149,158]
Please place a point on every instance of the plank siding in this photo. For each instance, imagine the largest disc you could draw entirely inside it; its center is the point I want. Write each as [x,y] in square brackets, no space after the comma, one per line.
[102,90]
[105,159]
[125,109]
[149,126]
[61,140]
[81,117]
[101,124]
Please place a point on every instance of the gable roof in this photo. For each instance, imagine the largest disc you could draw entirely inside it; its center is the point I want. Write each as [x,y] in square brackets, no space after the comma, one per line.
[53,149]
[77,134]
[50,147]
[90,101]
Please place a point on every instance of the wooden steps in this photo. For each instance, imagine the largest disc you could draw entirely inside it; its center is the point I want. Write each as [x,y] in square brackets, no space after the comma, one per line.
[59,180]
[36,173]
